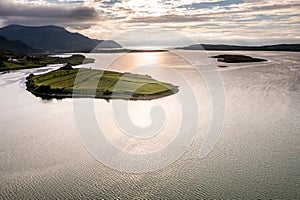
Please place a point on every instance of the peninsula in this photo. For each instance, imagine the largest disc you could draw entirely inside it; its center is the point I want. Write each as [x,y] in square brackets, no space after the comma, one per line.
[68,82]
[16,61]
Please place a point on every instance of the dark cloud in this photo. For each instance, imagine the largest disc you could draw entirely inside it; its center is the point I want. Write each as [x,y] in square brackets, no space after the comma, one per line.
[13,13]
[202,5]
[108,3]
[277,7]
[111,2]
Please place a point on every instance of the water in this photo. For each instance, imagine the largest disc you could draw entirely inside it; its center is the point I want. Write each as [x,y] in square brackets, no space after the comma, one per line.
[256,156]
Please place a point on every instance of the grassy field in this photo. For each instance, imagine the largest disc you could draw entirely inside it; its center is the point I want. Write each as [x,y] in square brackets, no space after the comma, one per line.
[97,83]
[27,61]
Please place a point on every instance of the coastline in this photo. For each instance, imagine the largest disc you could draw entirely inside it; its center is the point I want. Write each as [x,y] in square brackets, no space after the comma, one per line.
[121,96]
[17,62]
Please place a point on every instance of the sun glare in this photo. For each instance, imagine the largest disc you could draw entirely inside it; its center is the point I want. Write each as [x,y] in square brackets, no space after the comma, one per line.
[148,58]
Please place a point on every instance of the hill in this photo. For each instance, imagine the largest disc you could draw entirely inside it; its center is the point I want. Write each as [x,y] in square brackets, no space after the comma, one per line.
[15,46]
[109,44]
[222,47]
[49,38]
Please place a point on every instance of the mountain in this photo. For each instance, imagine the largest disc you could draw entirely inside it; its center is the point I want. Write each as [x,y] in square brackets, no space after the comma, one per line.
[222,47]
[15,46]
[49,38]
[109,44]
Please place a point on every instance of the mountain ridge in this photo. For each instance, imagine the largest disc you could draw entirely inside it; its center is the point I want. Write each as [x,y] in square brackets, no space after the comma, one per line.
[15,46]
[49,38]
[225,47]
[56,39]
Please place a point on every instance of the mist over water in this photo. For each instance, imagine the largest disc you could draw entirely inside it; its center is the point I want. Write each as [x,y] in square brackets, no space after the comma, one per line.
[256,156]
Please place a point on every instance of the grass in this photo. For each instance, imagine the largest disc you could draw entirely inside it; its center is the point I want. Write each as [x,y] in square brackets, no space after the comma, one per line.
[97,83]
[26,61]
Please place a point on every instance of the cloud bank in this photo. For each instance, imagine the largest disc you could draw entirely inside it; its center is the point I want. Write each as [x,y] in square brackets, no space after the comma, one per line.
[214,21]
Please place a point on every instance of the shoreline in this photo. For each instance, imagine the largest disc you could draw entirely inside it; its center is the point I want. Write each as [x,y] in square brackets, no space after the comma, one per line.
[123,96]
[14,61]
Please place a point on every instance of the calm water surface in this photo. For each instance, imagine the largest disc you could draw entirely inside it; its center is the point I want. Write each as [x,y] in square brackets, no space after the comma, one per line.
[256,156]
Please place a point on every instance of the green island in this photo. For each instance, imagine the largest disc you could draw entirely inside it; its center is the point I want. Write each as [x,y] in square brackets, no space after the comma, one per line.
[16,61]
[68,82]
[228,58]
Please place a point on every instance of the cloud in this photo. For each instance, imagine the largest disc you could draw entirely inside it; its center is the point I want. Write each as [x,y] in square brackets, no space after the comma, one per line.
[111,2]
[251,20]
[32,14]
[205,5]
[220,14]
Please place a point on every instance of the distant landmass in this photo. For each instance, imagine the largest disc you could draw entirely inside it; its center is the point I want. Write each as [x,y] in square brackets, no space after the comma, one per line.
[108,44]
[50,39]
[229,58]
[55,39]
[222,47]
[15,46]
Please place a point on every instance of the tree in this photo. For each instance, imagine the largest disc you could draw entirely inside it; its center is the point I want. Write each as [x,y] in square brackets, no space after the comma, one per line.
[43,89]
[2,59]
[2,65]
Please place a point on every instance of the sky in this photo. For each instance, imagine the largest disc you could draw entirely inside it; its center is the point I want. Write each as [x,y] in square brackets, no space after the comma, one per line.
[242,22]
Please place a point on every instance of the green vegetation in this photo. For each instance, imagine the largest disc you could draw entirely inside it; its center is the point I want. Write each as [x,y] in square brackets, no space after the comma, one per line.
[13,61]
[237,58]
[97,83]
